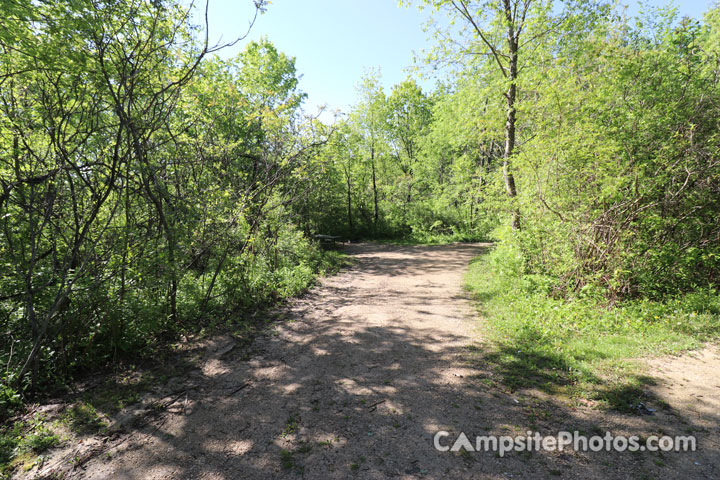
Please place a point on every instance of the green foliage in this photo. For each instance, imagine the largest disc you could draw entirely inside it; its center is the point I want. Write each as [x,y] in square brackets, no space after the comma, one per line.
[400,172]
[429,238]
[616,128]
[10,399]
[580,346]
[146,186]
[619,181]
[22,441]
[82,418]
[40,441]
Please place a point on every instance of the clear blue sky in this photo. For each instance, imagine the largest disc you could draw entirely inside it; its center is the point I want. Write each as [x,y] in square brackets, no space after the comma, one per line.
[335,41]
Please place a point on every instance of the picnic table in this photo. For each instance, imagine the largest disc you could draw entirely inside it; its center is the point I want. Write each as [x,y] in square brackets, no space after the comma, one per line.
[328,239]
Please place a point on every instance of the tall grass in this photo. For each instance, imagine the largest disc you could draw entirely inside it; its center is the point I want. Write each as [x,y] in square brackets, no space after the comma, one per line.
[581,346]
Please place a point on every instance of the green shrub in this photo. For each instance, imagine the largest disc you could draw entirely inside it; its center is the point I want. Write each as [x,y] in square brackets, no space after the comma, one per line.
[579,343]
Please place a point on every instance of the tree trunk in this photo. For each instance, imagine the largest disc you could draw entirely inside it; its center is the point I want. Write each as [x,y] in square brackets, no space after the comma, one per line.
[375,192]
[349,205]
[510,120]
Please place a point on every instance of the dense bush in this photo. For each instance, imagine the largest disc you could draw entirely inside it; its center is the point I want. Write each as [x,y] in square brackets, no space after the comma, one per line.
[619,184]
[147,186]
[580,346]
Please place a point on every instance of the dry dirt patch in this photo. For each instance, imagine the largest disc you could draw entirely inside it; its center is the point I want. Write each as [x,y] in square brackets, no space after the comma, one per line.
[355,382]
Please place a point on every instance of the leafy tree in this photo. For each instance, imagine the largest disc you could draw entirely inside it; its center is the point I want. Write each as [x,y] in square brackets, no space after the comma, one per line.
[371,129]
[408,118]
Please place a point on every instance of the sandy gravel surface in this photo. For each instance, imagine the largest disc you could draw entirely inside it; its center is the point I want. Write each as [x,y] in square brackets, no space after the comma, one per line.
[355,382]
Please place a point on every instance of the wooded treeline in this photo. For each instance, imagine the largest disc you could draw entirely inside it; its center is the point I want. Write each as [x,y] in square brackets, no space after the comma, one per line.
[146,185]
[149,186]
[589,138]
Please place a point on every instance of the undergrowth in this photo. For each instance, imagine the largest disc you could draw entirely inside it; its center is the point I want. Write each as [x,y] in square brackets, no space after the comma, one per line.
[581,347]
[23,440]
[429,238]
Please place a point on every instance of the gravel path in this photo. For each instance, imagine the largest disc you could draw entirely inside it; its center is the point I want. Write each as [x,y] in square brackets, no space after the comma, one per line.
[354,383]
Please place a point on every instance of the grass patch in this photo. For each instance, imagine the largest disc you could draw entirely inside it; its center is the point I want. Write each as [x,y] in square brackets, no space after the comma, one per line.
[428,238]
[292,425]
[83,419]
[355,466]
[330,262]
[21,443]
[286,459]
[581,347]
[289,461]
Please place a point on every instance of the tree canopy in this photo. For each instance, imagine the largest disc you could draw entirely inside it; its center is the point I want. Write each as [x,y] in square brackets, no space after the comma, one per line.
[149,187]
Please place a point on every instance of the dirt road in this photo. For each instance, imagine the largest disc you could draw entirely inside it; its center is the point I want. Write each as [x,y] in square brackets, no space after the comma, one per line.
[356,381]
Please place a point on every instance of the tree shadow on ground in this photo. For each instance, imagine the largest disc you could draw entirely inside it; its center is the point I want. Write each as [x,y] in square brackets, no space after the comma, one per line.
[334,392]
[529,361]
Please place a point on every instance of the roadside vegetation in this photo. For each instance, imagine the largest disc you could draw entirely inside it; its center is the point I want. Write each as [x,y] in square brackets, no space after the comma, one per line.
[580,347]
[151,188]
